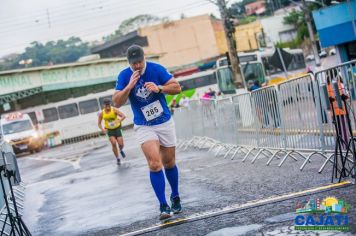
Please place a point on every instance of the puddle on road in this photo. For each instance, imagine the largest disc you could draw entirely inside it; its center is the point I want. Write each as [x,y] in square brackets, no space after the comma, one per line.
[281,218]
[235,231]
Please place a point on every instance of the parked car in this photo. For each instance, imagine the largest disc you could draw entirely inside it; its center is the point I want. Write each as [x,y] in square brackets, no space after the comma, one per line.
[332,52]
[323,54]
[19,131]
[310,57]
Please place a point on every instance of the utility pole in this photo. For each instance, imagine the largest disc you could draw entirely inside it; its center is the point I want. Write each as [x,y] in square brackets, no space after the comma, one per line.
[272,6]
[48,18]
[229,30]
[311,32]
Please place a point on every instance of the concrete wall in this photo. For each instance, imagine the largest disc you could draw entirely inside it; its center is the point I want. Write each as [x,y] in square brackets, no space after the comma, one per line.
[336,21]
[184,41]
[220,36]
[246,36]
[272,26]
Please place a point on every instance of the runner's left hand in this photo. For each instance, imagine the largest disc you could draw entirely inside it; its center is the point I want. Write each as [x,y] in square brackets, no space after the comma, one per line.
[151,87]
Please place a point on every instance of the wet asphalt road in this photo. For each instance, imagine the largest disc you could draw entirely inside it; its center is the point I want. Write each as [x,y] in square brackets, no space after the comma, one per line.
[79,190]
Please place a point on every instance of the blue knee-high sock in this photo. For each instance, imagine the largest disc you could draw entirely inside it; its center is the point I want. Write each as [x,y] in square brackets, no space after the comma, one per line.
[158,184]
[172,176]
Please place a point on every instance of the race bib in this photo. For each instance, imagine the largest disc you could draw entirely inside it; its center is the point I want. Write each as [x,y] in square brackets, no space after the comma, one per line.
[113,124]
[152,110]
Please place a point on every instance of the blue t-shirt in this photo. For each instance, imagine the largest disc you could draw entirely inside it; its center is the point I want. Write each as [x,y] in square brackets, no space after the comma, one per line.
[149,108]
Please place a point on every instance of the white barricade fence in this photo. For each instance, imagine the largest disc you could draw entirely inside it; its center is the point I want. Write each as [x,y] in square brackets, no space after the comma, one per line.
[267,115]
[8,206]
[339,79]
[245,120]
[289,120]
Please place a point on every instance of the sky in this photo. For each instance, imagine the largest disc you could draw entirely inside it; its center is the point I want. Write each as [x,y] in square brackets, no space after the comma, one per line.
[25,21]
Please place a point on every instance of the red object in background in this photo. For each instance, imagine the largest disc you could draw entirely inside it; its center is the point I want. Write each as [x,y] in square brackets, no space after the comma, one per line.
[186,72]
[13,116]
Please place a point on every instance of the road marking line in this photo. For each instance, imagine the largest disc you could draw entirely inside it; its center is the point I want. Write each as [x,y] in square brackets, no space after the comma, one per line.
[238,207]
[74,163]
[73,158]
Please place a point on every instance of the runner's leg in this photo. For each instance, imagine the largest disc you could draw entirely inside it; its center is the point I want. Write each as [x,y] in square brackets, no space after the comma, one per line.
[153,157]
[151,148]
[171,170]
[114,147]
[120,141]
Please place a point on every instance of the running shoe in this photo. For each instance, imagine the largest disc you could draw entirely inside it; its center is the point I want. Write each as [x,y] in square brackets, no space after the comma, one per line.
[176,206]
[166,212]
[122,154]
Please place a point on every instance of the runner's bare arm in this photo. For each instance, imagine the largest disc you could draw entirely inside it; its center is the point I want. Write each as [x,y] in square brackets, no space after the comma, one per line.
[172,87]
[100,119]
[120,114]
[120,96]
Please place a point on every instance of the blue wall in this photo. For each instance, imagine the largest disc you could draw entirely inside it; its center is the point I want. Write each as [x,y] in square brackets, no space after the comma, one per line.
[334,24]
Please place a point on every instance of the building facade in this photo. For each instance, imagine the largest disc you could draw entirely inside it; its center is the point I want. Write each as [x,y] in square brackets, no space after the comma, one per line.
[23,88]
[336,26]
[255,8]
[185,41]
[276,31]
[248,36]
[197,39]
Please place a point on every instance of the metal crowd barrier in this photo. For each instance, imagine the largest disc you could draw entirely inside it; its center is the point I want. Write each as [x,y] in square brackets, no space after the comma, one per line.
[345,74]
[82,138]
[6,153]
[289,120]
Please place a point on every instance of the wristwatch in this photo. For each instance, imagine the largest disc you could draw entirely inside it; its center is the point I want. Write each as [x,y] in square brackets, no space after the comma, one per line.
[160,88]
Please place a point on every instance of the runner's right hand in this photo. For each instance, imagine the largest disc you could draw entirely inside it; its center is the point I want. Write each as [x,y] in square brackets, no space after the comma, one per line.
[133,80]
[103,130]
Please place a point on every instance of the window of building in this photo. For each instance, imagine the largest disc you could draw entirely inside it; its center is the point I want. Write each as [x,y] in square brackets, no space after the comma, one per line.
[67,111]
[88,106]
[33,117]
[50,114]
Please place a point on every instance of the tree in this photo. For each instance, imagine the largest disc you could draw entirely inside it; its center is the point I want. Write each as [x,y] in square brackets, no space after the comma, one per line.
[229,31]
[297,19]
[62,51]
[134,23]
[237,9]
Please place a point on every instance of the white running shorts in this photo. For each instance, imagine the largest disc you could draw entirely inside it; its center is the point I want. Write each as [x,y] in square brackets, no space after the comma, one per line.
[165,133]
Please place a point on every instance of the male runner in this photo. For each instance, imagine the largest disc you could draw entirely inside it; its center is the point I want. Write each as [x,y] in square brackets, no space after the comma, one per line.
[145,84]
[112,127]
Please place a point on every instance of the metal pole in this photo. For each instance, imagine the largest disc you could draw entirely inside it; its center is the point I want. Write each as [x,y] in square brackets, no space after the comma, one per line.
[231,44]
[311,33]
[281,58]
[272,5]
[48,18]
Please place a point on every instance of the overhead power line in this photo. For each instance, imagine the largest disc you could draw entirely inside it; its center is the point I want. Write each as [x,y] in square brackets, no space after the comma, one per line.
[98,30]
[70,15]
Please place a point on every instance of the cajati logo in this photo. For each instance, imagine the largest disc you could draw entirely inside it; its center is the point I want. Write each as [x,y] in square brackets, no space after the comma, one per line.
[329,213]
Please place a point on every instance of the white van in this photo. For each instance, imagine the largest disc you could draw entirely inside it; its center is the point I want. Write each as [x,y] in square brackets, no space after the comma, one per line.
[18,130]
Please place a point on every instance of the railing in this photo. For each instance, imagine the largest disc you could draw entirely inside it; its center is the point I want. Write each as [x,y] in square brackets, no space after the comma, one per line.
[289,120]
[11,202]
